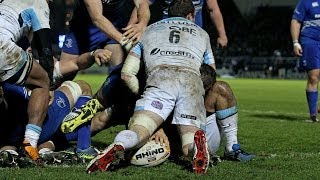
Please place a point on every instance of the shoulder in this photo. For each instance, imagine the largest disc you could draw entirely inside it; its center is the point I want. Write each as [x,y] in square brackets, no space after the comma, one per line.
[222,88]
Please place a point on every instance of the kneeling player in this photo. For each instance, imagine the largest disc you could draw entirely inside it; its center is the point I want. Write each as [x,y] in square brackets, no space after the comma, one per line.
[222,116]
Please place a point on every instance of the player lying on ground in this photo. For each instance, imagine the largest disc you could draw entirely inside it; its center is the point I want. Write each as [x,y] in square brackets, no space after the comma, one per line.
[69,95]
[173,84]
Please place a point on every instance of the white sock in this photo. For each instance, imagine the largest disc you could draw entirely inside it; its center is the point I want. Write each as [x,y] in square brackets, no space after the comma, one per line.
[230,128]
[32,134]
[129,138]
[213,134]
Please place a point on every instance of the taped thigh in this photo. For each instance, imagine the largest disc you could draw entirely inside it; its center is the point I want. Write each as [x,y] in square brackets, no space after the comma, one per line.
[145,121]
[74,88]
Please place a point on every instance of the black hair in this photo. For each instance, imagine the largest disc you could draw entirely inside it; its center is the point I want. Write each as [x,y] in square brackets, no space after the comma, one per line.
[208,76]
[180,8]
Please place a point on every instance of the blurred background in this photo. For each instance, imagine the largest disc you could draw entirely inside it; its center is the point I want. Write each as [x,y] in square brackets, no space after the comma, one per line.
[259,45]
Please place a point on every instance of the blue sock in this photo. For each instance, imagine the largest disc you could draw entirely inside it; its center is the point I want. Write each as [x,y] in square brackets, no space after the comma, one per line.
[73,136]
[312,98]
[81,101]
[110,89]
[84,137]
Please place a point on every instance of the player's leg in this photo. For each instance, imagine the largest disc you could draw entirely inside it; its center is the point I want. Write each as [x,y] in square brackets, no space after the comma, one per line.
[311,62]
[312,93]
[83,110]
[213,134]
[189,115]
[227,118]
[32,75]
[150,112]
[83,134]
[64,99]
[141,127]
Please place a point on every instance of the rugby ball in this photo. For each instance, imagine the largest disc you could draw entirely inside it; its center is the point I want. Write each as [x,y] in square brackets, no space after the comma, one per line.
[151,154]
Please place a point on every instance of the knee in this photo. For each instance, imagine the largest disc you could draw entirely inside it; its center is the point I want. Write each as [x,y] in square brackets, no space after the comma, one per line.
[85,87]
[313,79]
[43,82]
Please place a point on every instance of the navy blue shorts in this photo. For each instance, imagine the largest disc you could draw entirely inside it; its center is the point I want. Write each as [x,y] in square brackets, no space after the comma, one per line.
[310,57]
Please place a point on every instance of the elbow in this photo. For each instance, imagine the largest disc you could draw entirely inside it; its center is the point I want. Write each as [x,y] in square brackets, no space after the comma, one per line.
[125,77]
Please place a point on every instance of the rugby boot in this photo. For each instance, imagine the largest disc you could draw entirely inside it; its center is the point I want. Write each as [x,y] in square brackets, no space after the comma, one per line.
[110,156]
[31,152]
[314,119]
[87,154]
[80,116]
[201,155]
[8,159]
[237,154]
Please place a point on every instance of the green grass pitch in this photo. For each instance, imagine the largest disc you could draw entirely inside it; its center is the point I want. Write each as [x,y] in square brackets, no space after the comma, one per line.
[271,125]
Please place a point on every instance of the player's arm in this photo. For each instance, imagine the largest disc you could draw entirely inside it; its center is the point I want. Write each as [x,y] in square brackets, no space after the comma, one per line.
[217,19]
[208,54]
[95,10]
[295,31]
[41,43]
[139,20]
[131,68]
[297,18]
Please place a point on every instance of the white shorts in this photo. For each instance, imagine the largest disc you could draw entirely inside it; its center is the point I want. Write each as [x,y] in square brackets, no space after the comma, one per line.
[12,59]
[171,89]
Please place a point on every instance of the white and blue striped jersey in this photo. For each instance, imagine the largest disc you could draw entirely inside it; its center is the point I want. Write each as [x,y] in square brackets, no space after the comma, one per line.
[19,18]
[174,42]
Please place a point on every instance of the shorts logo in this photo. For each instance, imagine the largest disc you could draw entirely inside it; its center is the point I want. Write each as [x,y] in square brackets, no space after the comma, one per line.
[68,43]
[188,116]
[60,102]
[157,105]
[315,4]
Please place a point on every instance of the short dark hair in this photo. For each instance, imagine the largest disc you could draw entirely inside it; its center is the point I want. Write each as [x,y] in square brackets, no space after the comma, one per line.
[180,8]
[208,76]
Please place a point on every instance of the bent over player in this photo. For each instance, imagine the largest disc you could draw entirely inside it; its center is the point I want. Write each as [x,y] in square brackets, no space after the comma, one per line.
[173,84]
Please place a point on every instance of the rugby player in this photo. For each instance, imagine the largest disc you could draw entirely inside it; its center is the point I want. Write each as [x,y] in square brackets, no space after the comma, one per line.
[305,29]
[222,116]
[173,84]
[213,9]
[18,19]
[69,95]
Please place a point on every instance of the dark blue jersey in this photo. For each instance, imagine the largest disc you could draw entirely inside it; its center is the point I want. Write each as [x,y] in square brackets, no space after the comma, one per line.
[308,13]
